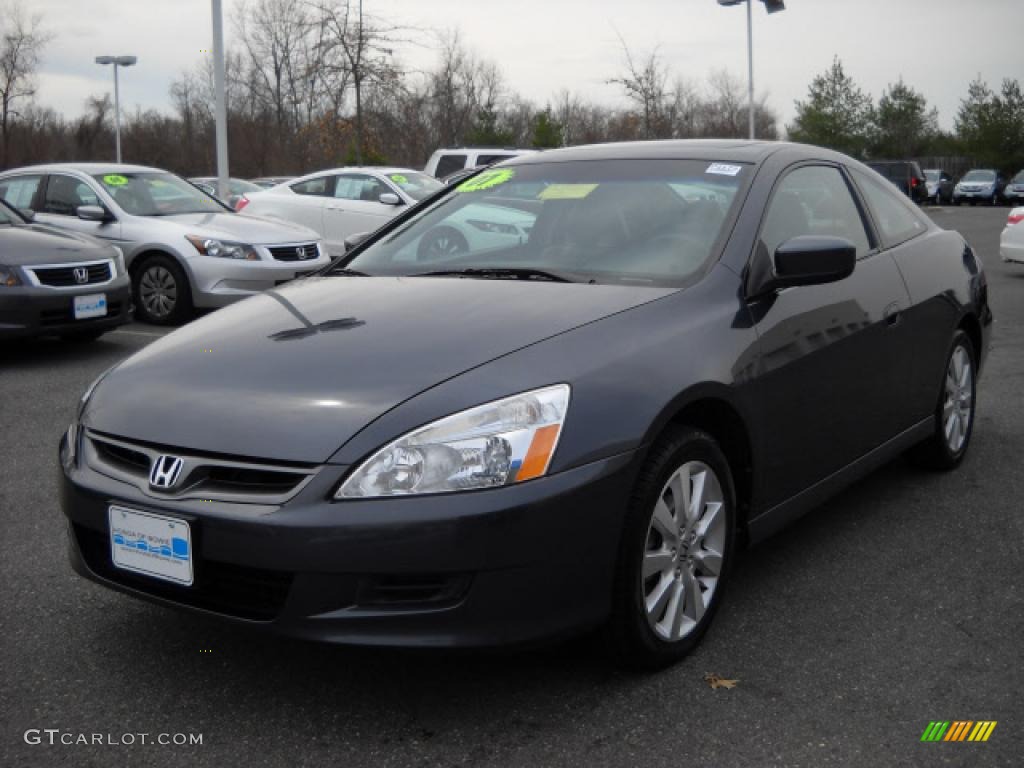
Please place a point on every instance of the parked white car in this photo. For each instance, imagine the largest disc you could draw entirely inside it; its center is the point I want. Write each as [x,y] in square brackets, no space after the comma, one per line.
[1011,242]
[342,202]
[445,162]
[183,249]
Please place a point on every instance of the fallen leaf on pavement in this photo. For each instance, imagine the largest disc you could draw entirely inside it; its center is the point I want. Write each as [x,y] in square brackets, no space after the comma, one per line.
[719,682]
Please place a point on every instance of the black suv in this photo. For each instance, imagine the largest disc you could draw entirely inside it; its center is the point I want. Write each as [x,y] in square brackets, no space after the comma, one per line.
[906,175]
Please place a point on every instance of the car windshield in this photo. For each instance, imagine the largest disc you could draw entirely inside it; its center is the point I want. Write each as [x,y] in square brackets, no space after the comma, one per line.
[931,175]
[635,221]
[980,176]
[156,194]
[416,185]
[1019,178]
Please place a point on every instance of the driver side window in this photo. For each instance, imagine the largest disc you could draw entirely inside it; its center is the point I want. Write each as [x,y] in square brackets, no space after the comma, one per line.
[813,200]
[64,194]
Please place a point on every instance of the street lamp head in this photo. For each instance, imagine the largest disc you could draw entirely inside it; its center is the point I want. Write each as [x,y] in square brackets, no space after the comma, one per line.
[121,61]
[772,6]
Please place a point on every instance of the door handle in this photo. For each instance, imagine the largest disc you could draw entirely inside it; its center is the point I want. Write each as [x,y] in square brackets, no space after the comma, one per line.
[893,315]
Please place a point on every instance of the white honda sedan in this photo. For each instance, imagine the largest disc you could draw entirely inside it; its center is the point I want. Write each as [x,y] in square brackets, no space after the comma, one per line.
[342,202]
[1011,242]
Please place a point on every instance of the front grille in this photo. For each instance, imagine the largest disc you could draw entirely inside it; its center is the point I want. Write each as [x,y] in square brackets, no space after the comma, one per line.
[232,590]
[64,276]
[208,477]
[67,315]
[303,252]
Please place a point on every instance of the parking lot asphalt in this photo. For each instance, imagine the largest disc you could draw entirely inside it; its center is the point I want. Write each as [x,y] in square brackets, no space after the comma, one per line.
[897,603]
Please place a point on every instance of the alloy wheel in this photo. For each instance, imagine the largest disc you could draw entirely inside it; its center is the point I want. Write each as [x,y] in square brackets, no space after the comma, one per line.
[959,397]
[158,291]
[683,552]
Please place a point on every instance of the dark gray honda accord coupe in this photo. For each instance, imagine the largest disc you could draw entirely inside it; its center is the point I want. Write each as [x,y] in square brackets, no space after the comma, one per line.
[557,395]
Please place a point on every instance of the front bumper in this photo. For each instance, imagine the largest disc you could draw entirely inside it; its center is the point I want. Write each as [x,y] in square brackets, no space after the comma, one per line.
[983,194]
[217,282]
[505,566]
[28,310]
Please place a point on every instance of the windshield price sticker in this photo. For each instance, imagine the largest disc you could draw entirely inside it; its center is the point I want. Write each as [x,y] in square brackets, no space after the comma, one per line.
[115,180]
[399,178]
[486,180]
[723,169]
[566,191]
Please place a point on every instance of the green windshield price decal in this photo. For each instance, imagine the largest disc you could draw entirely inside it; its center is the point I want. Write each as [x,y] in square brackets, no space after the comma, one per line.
[399,178]
[114,180]
[487,180]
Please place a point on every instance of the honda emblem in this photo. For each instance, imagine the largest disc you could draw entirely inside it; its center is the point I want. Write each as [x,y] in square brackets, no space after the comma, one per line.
[165,471]
[81,275]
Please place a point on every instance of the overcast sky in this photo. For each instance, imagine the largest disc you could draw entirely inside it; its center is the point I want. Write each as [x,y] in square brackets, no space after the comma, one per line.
[542,46]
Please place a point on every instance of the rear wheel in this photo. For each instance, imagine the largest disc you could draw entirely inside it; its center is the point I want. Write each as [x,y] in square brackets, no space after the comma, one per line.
[676,551]
[441,243]
[161,291]
[954,413]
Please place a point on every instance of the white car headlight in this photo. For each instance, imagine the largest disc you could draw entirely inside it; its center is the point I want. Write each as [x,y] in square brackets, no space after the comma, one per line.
[499,443]
[223,249]
[119,261]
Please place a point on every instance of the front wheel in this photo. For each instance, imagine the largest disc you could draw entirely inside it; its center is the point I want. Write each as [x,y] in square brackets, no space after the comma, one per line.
[441,243]
[954,413]
[161,292]
[676,551]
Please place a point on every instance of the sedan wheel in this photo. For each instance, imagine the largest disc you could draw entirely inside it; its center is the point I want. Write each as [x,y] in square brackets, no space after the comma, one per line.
[954,414]
[441,243]
[675,551]
[683,553]
[162,294]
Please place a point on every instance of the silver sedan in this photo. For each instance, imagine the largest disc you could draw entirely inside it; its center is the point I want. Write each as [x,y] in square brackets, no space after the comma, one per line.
[184,250]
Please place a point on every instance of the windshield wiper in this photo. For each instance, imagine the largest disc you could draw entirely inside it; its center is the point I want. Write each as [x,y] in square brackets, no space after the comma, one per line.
[500,273]
[346,271]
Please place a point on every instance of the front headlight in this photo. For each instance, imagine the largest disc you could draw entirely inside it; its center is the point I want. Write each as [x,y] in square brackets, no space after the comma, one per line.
[119,260]
[9,277]
[224,249]
[499,443]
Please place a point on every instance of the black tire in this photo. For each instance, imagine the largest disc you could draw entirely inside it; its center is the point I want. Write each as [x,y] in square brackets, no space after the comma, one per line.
[936,453]
[441,242]
[161,273]
[82,337]
[633,640]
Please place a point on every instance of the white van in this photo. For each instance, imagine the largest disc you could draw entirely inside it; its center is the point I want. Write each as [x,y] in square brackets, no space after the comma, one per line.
[447,161]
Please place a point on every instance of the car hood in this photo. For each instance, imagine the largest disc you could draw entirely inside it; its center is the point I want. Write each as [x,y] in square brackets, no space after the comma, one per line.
[294,373]
[25,246]
[254,230]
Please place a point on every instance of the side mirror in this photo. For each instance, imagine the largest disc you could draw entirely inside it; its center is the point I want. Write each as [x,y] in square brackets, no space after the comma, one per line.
[353,240]
[93,213]
[812,260]
[390,198]
[28,213]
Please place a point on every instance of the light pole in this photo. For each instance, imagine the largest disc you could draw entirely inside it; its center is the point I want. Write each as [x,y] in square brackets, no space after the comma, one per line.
[117,61]
[772,6]
[220,100]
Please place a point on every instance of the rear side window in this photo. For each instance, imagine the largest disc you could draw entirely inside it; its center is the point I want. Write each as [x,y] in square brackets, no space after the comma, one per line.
[20,191]
[321,186]
[488,159]
[813,200]
[896,218]
[64,194]
[449,164]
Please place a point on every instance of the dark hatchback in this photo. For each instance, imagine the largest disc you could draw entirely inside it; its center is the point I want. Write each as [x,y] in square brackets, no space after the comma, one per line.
[54,282]
[638,357]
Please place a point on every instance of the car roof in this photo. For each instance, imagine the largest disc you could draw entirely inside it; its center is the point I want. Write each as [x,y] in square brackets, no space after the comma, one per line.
[727,150]
[88,168]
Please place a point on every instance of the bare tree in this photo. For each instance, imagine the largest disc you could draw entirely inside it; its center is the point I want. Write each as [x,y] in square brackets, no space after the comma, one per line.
[644,83]
[22,39]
